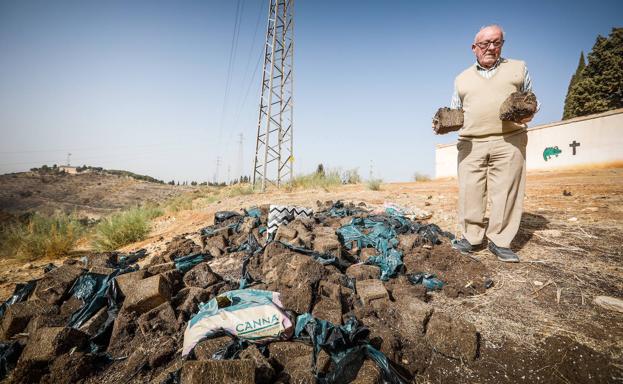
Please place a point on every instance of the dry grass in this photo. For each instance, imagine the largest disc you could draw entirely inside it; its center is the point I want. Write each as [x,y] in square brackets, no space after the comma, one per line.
[41,236]
[124,228]
[374,184]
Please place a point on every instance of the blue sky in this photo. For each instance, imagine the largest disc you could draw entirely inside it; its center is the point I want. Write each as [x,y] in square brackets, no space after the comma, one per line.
[140,85]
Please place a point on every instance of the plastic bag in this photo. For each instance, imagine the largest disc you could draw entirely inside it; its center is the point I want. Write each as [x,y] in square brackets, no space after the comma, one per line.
[282,215]
[248,314]
[427,280]
[222,216]
[381,236]
[9,353]
[347,345]
[322,258]
[20,293]
[186,263]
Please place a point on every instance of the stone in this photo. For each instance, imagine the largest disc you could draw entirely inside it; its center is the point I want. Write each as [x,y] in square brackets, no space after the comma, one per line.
[363,272]
[54,285]
[126,280]
[45,321]
[201,276]
[296,299]
[453,338]
[206,348]
[162,354]
[47,343]
[295,358]
[264,372]
[330,310]
[218,371]
[367,253]
[248,224]
[414,315]
[72,368]
[518,106]
[320,231]
[70,306]
[123,331]
[160,268]
[370,290]
[178,247]
[18,315]
[101,270]
[406,242]
[328,245]
[160,320]
[188,299]
[147,294]
[285,233]
[369,373]
[447,120]
[93,325]
[610,303]
[104,259]
[174,279]
[217,241]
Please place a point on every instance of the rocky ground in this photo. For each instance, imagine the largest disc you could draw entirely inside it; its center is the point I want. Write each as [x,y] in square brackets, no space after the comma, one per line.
[537,323]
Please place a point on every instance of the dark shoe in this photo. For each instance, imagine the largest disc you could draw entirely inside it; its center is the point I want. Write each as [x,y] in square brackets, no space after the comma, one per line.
[503,254]
[462,246]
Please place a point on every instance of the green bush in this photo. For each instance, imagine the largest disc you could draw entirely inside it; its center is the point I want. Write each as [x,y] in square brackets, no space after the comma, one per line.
[374,184]
[40,236]
[124,228]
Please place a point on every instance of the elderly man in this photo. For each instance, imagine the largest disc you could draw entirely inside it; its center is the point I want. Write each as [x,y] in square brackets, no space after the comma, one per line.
[492,152]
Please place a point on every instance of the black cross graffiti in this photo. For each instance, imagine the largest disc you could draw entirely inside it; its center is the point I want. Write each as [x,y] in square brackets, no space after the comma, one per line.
[573,145]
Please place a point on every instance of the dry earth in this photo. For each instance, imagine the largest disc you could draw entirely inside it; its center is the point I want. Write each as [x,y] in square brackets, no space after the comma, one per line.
[89,195]
[539,314]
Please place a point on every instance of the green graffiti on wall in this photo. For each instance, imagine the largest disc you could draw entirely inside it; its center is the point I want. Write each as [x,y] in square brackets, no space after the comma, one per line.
[551,151]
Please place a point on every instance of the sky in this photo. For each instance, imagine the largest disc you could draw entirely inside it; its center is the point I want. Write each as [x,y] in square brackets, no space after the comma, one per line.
[142,85]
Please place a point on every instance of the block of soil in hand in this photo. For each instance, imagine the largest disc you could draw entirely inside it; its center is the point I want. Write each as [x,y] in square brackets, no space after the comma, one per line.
[518,106]
[447,120]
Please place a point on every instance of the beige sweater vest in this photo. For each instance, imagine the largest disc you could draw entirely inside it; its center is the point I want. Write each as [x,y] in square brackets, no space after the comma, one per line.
[482,99]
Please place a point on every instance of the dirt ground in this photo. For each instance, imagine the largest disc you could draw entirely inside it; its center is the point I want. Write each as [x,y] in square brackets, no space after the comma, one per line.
[538,322]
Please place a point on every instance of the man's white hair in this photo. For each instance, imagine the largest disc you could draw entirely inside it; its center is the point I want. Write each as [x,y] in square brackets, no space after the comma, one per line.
[498,26]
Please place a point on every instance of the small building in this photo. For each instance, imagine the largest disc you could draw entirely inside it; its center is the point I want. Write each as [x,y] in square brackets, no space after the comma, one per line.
[68,169]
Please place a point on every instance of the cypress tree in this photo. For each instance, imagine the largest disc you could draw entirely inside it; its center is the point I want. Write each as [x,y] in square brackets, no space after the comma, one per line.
[574,79]
[600,87]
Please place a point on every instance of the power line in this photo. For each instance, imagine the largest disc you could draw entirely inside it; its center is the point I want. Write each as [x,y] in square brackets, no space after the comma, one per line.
[232,57]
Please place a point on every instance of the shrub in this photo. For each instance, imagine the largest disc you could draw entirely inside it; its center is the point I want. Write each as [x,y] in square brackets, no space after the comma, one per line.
[40,236]
[180,203]
[124,228]
[374,184]
[239,190]
[351,176]
[421,177]
[316,180]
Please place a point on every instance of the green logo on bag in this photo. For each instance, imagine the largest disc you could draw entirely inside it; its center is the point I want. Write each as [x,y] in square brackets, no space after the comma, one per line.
[256,325]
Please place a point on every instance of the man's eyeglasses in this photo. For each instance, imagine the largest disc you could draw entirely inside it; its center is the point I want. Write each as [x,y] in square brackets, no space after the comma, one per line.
[485,44]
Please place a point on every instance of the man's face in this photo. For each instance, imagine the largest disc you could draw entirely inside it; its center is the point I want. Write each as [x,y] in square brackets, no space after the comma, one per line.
[488,54]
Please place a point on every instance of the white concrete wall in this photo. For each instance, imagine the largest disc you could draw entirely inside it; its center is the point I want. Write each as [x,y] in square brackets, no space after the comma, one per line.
[600,137]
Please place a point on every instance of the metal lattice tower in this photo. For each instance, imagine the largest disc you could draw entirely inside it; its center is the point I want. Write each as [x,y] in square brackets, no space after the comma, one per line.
[273,147]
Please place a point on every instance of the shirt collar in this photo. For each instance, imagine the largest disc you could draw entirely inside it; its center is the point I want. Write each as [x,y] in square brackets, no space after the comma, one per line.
[497,63]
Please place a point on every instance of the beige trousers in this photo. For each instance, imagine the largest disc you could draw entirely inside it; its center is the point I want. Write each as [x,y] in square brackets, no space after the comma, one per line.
[496,167]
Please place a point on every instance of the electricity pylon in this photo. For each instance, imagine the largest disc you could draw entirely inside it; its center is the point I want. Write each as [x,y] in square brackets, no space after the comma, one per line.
[273,147]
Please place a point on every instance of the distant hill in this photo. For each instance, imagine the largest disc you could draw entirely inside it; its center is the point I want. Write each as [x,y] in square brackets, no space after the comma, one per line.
[92,193]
